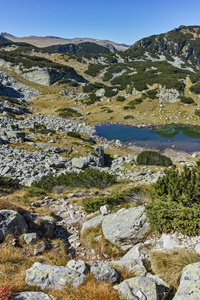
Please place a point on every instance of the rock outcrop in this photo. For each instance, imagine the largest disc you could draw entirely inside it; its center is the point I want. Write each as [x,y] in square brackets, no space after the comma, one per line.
[11,222]
[126,227]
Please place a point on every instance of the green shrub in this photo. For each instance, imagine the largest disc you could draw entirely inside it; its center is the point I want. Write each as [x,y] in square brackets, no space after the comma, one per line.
[41,128]
[93,70]
[35,192]
[88,178]
[68,112]
[195,88]
[187,100]
[127,117]
[153,158]
[74,134]
[121,98]
[152,93]
[113,201]
[197,112]
[110,91]
[8,185]
[175,204]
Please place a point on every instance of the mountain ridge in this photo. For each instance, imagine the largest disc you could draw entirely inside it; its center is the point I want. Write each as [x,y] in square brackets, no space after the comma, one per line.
[47,41]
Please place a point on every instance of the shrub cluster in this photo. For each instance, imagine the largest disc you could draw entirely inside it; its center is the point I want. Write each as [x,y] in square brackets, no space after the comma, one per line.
[153,158]
[175,204]
[187,100]
[195,88]
[68,112]
[41,128]
[121,98]
[88,178]
[74,134]
[8,185]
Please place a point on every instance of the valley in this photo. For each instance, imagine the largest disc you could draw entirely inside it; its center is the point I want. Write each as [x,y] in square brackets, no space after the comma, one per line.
[89,208]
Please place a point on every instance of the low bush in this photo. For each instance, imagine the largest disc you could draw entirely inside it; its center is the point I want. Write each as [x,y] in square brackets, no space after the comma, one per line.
[127,117]
[197,112]
[88,178]
[41,128]
[187,100]
[113,201]
[152,93]
[195,88]
[153,158]
[74,134]
[68,112]
[175,202]
[121,98]
[8,185]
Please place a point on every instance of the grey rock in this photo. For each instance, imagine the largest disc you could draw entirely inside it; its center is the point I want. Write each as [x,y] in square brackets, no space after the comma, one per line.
[32,296]
[103,271]
[168,241]
[31,238]
[133,253]
[100,92]
[47,276]
[126,227]
[78,163]
[11,222]
[197,248]
[104,210]
[78,265]
[94,222]
[142,288]
[48,225]
[131,265]
[189,288]
[39,248]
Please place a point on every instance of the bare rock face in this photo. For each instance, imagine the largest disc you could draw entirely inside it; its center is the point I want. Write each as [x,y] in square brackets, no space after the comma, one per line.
[11,222]
[126,227]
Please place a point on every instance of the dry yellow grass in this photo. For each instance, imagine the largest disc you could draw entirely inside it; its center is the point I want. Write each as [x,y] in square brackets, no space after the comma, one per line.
[169,265]
[91,290]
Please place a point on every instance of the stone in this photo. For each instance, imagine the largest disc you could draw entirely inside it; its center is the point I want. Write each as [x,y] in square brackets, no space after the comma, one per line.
[197,248]
[11,222]
[132,265]
[31,238]
[53,277]
[103,271]
[126,227]
[100,92]
[32,296]
[39,248]
[94,222]
[78,163]
[78,265]
[48,225]
[189,287]
[169,242]
[142,288]
[104,210]
[133,253]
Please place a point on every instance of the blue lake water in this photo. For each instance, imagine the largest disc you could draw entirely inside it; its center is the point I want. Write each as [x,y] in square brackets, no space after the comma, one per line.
[178,137]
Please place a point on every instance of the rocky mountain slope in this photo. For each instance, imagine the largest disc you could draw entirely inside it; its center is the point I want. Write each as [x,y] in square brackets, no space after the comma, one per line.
[82,217]
[51,40]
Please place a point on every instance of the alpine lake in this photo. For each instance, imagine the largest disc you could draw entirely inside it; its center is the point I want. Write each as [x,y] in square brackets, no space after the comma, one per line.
[174,136]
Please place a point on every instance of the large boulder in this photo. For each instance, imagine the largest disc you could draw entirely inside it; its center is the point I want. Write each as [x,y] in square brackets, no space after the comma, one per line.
[11,222]
[92,223]
[78,265]
[143,288]
[32,296]
[189,288]
[53,277]
[126,227]
[103,271]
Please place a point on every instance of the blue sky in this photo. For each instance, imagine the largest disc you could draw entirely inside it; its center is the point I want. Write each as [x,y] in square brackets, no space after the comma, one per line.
[124,21]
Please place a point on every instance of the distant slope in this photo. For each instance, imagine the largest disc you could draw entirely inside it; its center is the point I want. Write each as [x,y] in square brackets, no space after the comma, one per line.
[81,48]
[47,41]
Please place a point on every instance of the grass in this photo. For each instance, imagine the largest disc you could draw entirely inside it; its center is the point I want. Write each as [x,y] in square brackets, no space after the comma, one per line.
[101,246]
[91,290]
[169,265]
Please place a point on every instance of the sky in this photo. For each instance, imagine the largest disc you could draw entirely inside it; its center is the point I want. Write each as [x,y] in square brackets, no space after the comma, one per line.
[121,21]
